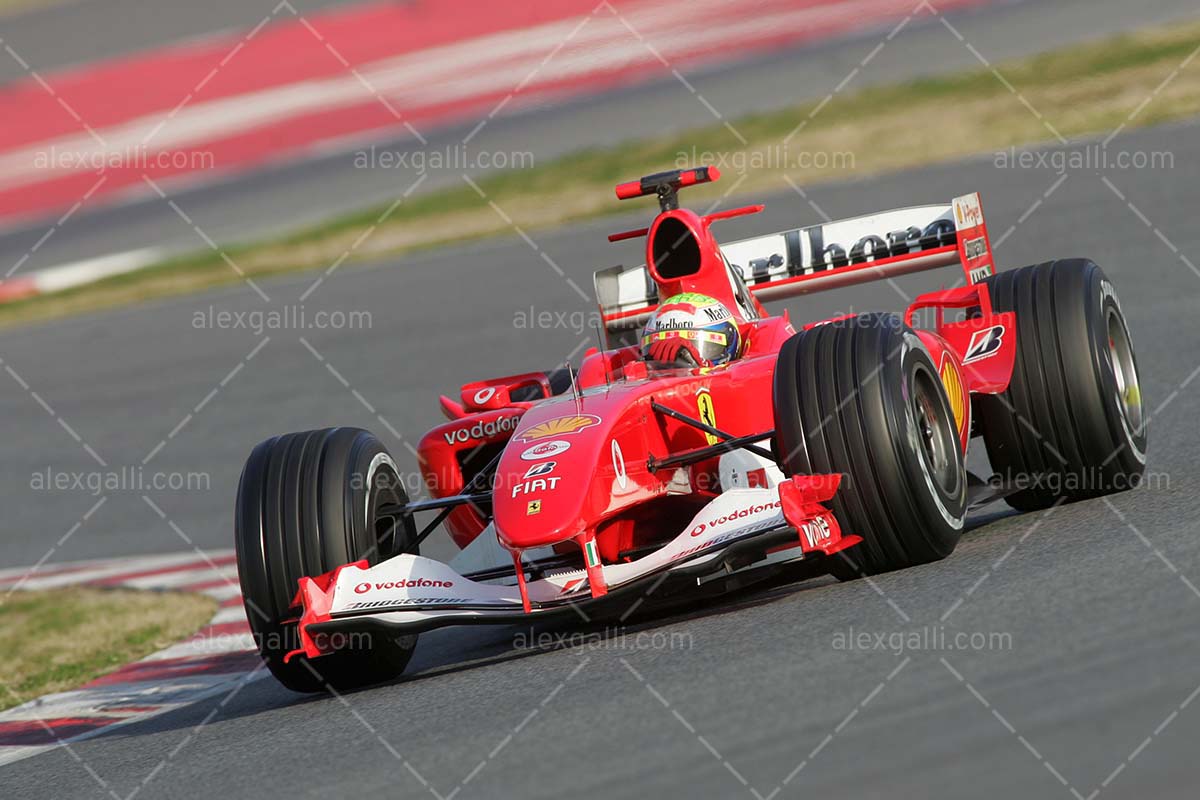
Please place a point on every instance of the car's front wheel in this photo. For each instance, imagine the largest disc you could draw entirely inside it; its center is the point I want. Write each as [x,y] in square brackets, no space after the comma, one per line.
[306,504]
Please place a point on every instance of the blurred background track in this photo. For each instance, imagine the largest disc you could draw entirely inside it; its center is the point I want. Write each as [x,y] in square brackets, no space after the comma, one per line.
[294,83]
[57,34]
[295,172]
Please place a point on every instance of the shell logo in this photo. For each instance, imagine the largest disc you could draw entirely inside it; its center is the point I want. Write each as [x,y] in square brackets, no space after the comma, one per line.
[558,426]
[954,392]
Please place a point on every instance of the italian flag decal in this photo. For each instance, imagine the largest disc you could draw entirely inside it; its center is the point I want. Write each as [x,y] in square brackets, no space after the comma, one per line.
[591,554]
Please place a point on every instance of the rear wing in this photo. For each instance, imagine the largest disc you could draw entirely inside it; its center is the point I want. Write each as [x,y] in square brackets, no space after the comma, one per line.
[826,256]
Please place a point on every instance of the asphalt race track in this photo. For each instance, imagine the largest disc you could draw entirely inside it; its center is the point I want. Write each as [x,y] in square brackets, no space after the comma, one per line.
[301,193]
[1088,685]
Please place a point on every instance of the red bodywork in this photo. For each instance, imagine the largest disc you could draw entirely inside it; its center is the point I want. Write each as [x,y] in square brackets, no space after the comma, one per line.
[574,467]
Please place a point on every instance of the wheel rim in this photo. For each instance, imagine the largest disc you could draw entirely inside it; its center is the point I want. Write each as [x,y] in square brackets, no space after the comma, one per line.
[937,440]
[1120,357]
[385,490]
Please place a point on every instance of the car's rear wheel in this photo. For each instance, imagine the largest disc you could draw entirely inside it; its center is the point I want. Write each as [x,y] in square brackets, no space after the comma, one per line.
[862,397]
[1071,424]
[308,503]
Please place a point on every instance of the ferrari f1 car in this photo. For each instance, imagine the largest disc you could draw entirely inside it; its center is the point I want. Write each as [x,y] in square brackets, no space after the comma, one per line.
[836,448]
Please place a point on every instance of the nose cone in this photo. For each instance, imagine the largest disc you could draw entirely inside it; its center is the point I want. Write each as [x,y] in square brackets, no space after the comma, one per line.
[546,481]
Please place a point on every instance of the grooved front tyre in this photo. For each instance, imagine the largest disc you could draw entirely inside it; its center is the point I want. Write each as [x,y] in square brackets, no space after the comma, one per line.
[1071,425]
[306,504]
[862,397]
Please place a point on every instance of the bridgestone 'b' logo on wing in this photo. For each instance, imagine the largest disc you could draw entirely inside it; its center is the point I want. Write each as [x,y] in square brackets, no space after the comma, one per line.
[558,426]
[984,343]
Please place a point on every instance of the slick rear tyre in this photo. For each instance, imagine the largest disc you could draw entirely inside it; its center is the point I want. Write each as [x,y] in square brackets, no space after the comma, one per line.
[1071,425]
[306,504]
[862,397]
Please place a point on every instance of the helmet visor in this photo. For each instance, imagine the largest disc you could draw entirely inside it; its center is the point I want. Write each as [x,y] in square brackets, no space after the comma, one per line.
[712,344]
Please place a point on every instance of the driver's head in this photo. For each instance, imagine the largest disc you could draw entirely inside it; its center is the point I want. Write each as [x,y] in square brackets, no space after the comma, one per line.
[692,330]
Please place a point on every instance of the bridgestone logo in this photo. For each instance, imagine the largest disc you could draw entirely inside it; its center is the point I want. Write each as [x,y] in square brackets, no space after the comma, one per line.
[410,601]
[717,541]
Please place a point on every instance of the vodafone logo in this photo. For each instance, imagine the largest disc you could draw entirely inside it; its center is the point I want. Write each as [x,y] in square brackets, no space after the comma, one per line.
[733,516]
[483,395]
[545,450]
[482,430]
[411,583]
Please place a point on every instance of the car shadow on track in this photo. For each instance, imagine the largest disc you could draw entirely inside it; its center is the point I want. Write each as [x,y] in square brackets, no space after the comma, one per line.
[458,650]
[452,651]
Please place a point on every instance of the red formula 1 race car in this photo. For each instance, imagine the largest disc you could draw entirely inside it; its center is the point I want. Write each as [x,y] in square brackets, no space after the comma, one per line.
[709,445]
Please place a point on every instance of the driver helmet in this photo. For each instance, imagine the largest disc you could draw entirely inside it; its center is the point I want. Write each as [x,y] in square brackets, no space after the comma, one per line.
[692,330]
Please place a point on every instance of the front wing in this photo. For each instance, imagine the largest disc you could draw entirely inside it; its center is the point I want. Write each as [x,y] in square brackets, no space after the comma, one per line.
[409,593]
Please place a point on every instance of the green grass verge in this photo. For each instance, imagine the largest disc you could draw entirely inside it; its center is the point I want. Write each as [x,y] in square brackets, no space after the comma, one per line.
[14,7]
[58,640]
